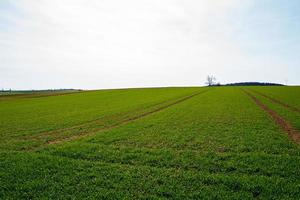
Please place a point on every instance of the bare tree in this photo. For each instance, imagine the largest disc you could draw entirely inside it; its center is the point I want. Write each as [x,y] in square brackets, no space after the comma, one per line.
[210,80]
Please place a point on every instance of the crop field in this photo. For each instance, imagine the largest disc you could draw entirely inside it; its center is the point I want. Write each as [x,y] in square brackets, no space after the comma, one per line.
[156,143]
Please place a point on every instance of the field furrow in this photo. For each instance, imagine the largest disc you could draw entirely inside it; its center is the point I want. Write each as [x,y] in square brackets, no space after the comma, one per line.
[282,123]
[118,122]
[274,100]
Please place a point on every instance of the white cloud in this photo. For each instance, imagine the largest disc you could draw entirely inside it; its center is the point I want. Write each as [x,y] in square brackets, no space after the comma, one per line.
[115,43]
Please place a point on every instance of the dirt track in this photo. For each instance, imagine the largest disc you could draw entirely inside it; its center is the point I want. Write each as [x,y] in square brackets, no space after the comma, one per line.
[126,121]
[282,123]
[277,101]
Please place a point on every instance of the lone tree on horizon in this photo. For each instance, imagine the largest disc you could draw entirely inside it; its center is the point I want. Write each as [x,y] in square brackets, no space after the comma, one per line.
[210,80]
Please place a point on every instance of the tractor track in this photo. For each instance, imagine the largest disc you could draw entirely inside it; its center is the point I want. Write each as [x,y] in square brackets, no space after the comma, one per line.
[277,101]
[96,121]
[126,121]
[281,122]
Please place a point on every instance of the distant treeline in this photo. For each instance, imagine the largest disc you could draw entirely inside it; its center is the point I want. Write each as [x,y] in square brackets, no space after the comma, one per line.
[252,84]
[10,91]
[47,90]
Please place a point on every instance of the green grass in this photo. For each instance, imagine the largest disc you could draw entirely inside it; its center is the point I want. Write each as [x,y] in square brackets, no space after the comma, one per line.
[31,121]
[216,145]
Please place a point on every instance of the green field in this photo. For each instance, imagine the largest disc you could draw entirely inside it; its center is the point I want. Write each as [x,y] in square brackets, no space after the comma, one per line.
[158,143]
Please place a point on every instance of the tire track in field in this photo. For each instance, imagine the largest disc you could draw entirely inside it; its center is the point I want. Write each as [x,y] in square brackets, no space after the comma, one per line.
[97,121]
[292,108]
[281,122]
[125,121]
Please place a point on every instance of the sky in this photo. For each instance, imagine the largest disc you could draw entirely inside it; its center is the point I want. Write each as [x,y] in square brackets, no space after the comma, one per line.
[99,44]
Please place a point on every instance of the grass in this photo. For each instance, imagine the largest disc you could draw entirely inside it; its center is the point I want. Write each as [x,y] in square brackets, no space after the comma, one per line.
[216,145]
[48,118]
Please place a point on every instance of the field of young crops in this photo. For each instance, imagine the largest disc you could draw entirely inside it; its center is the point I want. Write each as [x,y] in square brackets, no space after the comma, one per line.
[159,143]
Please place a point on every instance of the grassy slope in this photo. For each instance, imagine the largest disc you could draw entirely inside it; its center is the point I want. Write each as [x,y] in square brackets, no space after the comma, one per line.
[218,145]
[28,121]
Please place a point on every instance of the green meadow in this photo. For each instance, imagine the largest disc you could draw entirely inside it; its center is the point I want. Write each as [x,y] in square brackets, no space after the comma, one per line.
[156,143]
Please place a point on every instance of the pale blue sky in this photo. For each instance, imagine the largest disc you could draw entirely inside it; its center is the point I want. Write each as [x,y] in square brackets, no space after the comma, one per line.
[144,43]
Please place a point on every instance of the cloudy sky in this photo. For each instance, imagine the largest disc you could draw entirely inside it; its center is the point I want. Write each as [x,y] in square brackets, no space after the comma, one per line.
[144,43]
